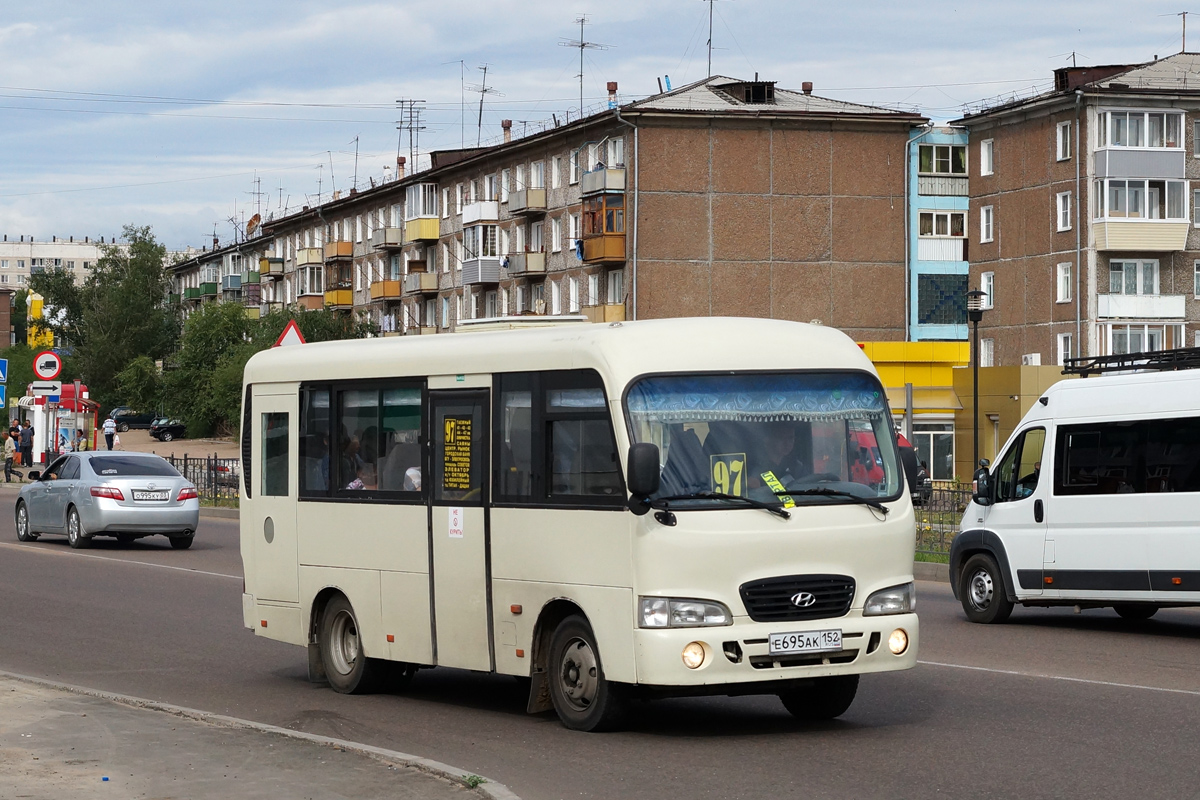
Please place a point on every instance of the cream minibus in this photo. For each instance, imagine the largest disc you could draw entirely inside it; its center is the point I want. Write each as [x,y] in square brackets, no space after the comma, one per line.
[613,511]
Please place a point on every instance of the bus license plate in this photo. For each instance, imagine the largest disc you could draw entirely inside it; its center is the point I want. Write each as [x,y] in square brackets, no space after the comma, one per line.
[805,642]
[151,495]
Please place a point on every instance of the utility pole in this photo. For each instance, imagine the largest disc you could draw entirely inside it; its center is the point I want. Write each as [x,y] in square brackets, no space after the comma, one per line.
[710,15]
[583,44]
[483,92]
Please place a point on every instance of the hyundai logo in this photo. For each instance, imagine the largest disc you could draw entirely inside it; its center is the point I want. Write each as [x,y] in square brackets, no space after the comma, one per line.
[803,599]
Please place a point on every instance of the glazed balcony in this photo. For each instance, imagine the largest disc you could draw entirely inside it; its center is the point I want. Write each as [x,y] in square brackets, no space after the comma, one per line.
[1141,235]
[231,283]
[421,283]
[385,290]
[250,277]
[422,229]
[602,180]
[527,265]
[311,302]
[339,251]
[309,256]
[480,211]
[270,268]
[527,201]
[339,298]
[173,298]
[387,238]
[1141,306]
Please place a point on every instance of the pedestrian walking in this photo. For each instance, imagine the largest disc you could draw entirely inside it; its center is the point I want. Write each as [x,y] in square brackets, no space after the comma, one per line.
[26,443]
[14,433]
[110,430]
[10,453]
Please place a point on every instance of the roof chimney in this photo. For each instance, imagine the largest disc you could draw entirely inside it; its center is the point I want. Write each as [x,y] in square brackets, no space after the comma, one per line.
[400,162]
[612,94]
[506,124]
[806,87]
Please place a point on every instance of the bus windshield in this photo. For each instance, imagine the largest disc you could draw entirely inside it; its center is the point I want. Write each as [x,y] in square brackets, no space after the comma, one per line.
[821,435]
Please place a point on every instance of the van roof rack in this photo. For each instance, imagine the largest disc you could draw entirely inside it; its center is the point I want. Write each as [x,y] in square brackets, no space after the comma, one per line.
[1156,361]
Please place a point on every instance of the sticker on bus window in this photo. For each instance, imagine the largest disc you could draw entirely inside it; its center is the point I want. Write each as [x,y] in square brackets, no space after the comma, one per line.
[728,473]
[456,454]
[456,522]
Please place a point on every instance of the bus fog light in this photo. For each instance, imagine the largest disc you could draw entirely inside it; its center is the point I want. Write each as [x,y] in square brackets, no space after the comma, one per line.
[897,642]
[693,655]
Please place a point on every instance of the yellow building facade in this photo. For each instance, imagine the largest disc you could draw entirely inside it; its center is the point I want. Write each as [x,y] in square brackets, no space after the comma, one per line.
[36,338]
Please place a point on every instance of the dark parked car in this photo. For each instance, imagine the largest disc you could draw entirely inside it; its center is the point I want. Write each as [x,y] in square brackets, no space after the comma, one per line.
[127,418]
[166,430]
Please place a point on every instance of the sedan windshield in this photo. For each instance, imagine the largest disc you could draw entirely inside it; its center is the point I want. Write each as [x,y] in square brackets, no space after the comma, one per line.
[823,436]
[126,466]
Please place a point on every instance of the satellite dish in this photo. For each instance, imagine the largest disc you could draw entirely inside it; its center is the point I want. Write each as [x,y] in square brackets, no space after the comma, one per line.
[539,307]
[253,224]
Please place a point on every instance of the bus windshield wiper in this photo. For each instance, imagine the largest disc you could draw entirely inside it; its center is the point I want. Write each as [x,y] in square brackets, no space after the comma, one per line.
[775,508]
[823,492]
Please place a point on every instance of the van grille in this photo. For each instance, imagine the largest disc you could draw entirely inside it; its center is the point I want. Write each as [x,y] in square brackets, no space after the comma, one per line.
[770,599]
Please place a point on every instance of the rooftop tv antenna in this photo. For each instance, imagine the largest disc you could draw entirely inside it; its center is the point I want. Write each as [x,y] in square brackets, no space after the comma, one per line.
[483,92]
[583,45]
[462,100]
[1183,16]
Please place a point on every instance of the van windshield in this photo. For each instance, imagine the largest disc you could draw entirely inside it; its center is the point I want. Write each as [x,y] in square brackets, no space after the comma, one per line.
[762,435]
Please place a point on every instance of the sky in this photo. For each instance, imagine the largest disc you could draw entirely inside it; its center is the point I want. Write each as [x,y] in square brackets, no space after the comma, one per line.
[191,117]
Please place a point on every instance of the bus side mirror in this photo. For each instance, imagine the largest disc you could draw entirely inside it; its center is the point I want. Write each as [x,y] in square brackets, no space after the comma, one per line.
[982,493]
[642,474]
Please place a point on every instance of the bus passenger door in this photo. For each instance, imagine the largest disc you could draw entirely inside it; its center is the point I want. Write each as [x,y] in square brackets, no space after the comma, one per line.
[459,543]
[271,505]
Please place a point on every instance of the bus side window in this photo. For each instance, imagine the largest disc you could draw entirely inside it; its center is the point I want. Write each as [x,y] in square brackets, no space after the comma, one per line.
[514,423]
[274,454]
[314,442]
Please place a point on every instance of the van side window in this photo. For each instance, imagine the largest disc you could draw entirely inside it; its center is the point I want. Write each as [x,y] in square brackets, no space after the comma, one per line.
[1020,469]
[1128,457]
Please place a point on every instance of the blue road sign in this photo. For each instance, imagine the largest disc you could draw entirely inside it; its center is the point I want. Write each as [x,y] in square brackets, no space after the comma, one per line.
[3,397]
[3,370]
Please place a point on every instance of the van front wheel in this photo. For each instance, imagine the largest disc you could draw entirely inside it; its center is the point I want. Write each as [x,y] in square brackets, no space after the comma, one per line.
[981,588]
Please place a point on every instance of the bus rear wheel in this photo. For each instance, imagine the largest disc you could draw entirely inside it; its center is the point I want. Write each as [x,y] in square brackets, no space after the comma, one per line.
[825,699]
[1136,611]
[347,668]
[583,698]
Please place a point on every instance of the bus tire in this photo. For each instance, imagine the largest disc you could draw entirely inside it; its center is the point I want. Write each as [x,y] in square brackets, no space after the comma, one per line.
[582,697]
[347,669]
[1136,611]
[981,588]
[827,698]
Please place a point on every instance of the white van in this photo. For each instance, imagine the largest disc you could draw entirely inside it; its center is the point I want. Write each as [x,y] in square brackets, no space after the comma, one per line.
[1115,519]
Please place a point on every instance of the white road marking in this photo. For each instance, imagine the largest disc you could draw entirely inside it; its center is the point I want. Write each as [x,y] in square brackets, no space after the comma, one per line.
[1020,674]
[26,549]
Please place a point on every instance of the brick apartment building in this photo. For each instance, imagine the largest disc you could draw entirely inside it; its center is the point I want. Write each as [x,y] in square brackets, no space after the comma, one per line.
[1079,211]
[724,197]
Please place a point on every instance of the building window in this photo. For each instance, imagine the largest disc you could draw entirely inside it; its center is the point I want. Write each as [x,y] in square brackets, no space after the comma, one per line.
[573,295]
[537,175]
[446,203]
[1133,277]
[555,298]
[445,312]
[489,187]
[1196,267]
[942,159]
[593,292]
[934,443]
[556,172]
[520,303]
[1138,338]
[556,234]
[943,223]
[616,152]
[520,184]
[1063,283]
[987,285]
[574,166]
[421,201]
[1146,129]
[458,198]
[616,286]
[445,257]
[1064,348]
[987,352]
[985,224]
[941,299]
[1064,141]
[505,178]
[1140,199]
[1063,204]
[987,159]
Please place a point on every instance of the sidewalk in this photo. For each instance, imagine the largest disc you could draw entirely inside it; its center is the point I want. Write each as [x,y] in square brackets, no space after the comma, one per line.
[57,744]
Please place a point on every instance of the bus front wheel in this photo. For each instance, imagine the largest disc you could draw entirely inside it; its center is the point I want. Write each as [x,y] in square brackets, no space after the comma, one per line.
[582,697]
[347,669]
[826,698]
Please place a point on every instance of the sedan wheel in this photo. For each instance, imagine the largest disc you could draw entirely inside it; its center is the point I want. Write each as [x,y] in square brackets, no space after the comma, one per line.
[76,536]
[24,534]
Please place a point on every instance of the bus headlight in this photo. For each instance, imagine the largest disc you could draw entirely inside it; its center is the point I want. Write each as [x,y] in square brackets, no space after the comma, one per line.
[671,612]
[893,600]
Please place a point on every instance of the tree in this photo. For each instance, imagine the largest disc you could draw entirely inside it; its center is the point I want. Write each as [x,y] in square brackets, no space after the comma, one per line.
[140,384]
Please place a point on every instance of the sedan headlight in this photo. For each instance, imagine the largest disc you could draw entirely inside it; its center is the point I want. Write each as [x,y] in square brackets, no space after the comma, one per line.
[894,600]
[670,612]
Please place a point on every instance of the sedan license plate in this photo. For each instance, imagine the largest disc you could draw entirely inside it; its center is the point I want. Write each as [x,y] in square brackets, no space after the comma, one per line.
[151,495]
[805,642]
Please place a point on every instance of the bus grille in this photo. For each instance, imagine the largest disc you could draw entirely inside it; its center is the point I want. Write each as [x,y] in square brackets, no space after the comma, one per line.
[770,599]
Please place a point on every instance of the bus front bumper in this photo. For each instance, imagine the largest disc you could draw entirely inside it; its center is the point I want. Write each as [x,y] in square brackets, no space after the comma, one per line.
[739,654]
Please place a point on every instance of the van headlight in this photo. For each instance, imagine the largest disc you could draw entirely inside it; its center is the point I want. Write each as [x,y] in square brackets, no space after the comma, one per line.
[671,612]
[894,600]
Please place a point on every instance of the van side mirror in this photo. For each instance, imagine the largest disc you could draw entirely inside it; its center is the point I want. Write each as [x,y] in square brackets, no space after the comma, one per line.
[982,493]
[642,475]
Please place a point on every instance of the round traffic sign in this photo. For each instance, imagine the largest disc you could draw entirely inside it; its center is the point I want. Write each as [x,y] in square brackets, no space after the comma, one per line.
[47,365]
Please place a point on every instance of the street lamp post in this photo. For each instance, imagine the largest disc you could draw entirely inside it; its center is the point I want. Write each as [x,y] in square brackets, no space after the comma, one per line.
[974,314]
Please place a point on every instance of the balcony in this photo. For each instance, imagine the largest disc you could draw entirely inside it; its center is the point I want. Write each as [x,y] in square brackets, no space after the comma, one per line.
[941,186]
[421,283]
[1141,306]
[250,277]
[270,268]
[531,265]
[603,180]
[231,283]
[339,298]
[613,312]
[173,299]
[936,248]
[311,302]
[421,330]
[251,294]
[605,248]
[527,201]
[208,289]
[481,211]
[338,251]
[422,229]
[253,312]
[387,238]
[1143,235]
[385,290]
[480,271]
[191,293]
[309,256]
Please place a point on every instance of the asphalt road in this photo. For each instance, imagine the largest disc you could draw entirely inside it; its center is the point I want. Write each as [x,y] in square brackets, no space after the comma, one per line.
[1052,704]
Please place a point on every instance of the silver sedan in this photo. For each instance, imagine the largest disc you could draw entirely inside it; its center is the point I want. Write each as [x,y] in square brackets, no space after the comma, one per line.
[120,494]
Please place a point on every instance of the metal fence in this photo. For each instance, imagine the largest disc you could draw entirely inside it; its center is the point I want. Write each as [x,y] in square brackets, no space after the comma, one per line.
[216,479]
[938,517]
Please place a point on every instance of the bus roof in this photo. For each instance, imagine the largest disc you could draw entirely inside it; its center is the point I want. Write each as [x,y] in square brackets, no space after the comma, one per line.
[620,351]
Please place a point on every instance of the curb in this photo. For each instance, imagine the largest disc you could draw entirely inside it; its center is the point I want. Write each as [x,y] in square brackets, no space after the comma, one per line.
[930,571]
[489,788]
